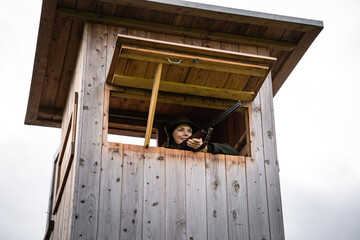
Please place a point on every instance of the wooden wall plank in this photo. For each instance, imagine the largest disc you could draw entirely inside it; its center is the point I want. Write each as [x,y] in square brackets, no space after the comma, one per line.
[132,193]
[195,196]
[271,161]
[110,191]
[61,216]
[68,209]
[154,195]
[175,195]
[256,183]
[111,44]
[217,227]
[238,218]
[89,146]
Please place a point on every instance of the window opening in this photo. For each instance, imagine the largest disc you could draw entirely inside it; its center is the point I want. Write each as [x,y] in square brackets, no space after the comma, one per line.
[130,140]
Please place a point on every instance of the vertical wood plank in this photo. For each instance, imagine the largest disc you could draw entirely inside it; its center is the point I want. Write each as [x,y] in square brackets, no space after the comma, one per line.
[62,218]
[112,37]
[195,196]
[175,195]
[271,161]
[132,193]
[110,191]
[217,226]
[237,198]
[89,147]
[255,172]
[154,195]
[69,193]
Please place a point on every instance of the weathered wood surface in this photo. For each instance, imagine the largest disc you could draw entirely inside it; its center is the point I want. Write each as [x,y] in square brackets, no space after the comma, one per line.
[110,191]
[175,189]
[217,225]
[108,195]
[65,215]
[271,162]
[159,193]
[237,203]
[90,143]
[255,173]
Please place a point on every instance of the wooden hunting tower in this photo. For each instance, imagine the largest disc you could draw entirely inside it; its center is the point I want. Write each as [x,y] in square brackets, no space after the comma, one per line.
[127,67]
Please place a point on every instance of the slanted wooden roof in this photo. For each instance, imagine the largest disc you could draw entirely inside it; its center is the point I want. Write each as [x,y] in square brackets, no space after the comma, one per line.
[62,21]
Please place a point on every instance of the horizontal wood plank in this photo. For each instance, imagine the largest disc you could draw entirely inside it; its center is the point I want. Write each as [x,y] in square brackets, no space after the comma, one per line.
[193,60]
[179,99]
[181,88]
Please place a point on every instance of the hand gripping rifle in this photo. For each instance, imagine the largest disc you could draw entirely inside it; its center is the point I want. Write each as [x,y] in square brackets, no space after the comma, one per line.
[205,132]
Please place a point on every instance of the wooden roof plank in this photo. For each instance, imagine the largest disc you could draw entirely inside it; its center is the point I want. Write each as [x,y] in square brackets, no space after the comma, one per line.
[57,57]
[41,57]
[170,29]
[69,64]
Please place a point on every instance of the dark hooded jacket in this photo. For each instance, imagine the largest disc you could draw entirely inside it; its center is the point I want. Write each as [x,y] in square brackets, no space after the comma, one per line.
[215,148]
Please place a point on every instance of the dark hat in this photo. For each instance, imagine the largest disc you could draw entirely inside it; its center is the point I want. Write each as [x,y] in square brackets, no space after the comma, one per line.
[177,121]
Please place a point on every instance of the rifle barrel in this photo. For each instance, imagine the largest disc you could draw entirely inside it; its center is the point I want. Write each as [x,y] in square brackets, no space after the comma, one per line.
[225,114]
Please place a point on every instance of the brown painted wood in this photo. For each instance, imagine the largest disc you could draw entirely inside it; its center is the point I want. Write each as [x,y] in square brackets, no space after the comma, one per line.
[178,30]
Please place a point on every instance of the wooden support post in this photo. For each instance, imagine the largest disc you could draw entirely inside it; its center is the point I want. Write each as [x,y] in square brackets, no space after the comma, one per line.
[153,100]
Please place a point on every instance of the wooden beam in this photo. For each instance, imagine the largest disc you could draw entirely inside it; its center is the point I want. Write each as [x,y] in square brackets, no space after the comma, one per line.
[181,88]
[152,107]
[188,100]
[50,113]
[176,30]
[194,50]
[188,60]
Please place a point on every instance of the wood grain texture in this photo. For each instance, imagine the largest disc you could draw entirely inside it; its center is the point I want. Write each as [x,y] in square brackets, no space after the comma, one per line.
[217,219]
[91,117]
[152,107]
[132,193]
[271,162]
[110,191]
[255,172]
[236,186]
[195,196]
[154,195]
[175,194]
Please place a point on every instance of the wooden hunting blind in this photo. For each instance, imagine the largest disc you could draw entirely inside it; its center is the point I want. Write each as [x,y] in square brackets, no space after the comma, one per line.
[128,67]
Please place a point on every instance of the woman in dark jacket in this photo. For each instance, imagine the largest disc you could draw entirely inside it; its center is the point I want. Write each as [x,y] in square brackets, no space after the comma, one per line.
[181,128]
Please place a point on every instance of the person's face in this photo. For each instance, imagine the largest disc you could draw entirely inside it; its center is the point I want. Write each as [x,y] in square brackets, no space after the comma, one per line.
[181,133]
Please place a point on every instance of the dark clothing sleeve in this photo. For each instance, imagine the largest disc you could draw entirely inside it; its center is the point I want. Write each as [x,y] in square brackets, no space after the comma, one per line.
[221,148]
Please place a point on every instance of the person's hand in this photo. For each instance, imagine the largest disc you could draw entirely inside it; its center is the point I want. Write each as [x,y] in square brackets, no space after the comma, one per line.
[195,143]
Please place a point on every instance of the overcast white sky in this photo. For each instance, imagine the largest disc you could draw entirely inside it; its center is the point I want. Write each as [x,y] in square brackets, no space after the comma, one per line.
[317,118]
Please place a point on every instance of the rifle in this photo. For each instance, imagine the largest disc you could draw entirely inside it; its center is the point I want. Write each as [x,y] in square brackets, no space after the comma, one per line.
[205,132]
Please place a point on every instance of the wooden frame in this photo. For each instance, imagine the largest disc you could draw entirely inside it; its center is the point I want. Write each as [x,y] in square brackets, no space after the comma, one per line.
[149,50]
[62,179]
